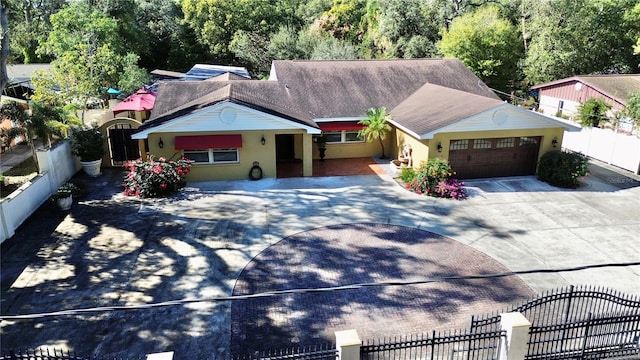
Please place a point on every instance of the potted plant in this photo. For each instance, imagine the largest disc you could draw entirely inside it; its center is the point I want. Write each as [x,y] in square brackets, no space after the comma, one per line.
[88,144]
[63,197]
[321,141]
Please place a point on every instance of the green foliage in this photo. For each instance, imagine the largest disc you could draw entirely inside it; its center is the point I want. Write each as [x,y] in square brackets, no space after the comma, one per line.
[632,108]
[87,143]
[487,44]
[593,112]
[407,174]
[570,37]
[90,56]
[155,178]
[65,190]
[433,179]
[375,126]
[563,169]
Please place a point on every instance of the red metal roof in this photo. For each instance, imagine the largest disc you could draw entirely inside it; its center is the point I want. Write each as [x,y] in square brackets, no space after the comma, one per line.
[195,142]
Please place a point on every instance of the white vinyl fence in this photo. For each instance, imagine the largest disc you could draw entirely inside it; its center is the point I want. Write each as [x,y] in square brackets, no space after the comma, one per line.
[57,166]
[618,149]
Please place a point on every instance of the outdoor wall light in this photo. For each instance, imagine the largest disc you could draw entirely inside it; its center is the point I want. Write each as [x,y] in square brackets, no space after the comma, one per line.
[263,141]
[439,147]
[160,143]
[554,142]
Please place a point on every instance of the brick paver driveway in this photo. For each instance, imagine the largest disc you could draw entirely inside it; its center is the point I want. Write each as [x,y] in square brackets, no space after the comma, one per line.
[358,254]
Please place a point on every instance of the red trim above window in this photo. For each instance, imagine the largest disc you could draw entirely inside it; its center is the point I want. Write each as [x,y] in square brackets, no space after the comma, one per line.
[208,142]
[340,125]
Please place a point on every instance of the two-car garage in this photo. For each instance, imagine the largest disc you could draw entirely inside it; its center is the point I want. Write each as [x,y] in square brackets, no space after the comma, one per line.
[494,157]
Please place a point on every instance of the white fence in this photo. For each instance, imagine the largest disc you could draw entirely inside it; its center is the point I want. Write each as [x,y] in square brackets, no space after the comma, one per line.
[614,148]
[57,166]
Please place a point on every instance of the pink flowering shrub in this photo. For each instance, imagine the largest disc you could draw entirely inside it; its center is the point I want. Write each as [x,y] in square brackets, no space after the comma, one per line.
[432,178]
[155,178]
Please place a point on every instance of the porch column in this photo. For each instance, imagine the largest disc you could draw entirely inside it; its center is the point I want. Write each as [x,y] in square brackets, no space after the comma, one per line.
[143,150]
[307,155]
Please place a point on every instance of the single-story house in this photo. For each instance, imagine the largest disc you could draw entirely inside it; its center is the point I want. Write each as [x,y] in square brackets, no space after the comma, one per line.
[562,97]
[439,108]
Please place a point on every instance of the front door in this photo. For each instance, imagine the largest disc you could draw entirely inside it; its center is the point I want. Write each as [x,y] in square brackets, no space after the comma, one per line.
[122,147]
[285,150]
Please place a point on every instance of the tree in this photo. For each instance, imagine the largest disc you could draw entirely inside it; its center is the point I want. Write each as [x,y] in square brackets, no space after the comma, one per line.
[4,41]
[570,37]
[217,23]
[593,112]
[29,24]
[632,109]
[375,126]
[487,44]
[41,122]
[90,58]
[406,29]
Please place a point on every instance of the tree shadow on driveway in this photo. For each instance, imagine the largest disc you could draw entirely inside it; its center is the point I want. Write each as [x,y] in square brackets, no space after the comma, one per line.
[363,253]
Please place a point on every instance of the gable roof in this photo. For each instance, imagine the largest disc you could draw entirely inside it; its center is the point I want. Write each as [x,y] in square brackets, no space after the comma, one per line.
[421,94]
[336,88]
[181,98]
[615,86]
[445,106]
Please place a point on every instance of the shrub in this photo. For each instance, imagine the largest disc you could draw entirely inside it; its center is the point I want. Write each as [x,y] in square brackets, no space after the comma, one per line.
[432,178]
[407,174]
[155,178]
[562,169]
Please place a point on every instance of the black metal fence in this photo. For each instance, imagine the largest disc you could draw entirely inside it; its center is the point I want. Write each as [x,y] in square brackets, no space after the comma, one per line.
[593,338]
[565,305]
[52,354]
[456,345]
[318,352]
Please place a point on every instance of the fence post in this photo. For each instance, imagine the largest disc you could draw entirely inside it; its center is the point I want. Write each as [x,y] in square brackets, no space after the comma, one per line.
[348,343]
[514,347]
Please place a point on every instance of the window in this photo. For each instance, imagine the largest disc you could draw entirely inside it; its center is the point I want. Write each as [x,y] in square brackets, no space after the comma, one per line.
[528,141]
[481,144]
[343,136]
[352,136]
[459,145]
[506,143]
[212,156]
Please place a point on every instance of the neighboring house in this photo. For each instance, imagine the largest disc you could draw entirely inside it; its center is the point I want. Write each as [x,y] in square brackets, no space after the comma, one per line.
[563,97]
[439,108]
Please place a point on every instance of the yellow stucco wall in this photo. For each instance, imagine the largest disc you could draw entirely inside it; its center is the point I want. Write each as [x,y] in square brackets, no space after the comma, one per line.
[425,149]
[251,150]
[355,149]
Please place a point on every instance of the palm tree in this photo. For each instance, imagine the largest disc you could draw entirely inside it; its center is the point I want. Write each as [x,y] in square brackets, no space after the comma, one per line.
[376,126]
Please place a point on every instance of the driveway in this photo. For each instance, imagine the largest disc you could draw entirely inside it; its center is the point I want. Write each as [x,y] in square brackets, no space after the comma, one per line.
[112,250]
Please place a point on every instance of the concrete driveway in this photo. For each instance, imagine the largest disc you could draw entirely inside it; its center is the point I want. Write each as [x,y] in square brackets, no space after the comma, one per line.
[112,250]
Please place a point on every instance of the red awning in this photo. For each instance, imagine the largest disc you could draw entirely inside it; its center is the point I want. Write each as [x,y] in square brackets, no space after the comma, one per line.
[208,142]
[340,125]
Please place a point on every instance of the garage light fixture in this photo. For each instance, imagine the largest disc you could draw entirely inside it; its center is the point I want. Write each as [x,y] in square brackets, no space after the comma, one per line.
[263,141]
[554,142]
[160,143]
[439,147]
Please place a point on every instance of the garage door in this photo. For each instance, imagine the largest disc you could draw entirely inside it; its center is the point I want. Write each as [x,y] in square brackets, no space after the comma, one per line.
[482,158]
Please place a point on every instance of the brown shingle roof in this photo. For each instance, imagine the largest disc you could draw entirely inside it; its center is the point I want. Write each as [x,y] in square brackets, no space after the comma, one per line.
[180,98]
[337,88]
[432,107]
[306,90]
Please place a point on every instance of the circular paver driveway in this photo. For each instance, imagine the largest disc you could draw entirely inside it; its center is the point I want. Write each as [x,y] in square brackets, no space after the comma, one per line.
[364,253]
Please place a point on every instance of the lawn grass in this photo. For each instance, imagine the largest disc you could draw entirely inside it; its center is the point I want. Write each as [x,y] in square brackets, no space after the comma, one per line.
[27,167]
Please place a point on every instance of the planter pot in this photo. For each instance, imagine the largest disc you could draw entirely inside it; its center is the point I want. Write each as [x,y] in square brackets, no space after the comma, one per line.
[64,203]
[92,168]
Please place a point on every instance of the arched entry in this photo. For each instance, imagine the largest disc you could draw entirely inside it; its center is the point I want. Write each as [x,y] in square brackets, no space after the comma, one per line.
[121,147]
